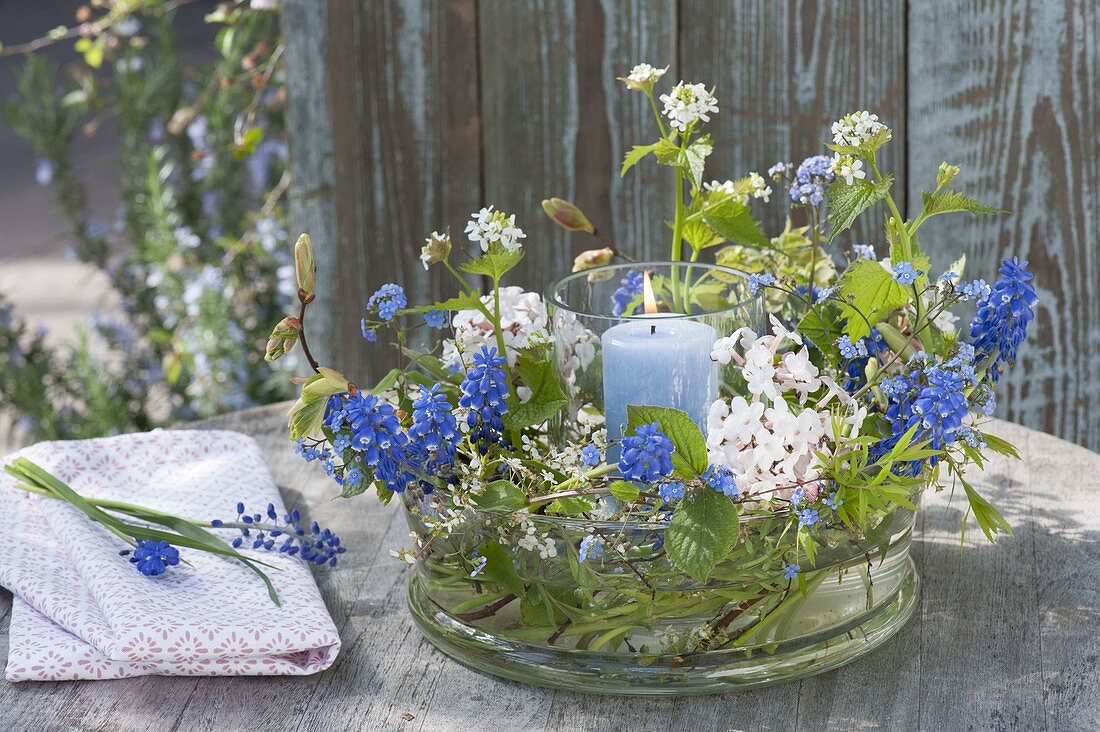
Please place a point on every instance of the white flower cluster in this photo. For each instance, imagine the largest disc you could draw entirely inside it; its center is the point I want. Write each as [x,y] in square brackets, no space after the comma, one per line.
[857,128]
[759,186]
[643,76]
[488,227]
[522,320]
[754,186]
[532,542]
[687,104]
[848,167]
[770,448]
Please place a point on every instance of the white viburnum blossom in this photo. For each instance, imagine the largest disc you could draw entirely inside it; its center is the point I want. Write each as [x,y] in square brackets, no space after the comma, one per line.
[488,227]
[523,322]
[759,186]
[643,76]
[687,104]
[857,128]
[848,168]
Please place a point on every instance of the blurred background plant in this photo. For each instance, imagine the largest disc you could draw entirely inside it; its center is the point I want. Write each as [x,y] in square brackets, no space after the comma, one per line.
[197,252]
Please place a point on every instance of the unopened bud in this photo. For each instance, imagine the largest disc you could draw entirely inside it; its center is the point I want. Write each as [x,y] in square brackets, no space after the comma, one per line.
[592,258]
[182,117]
[946,174]
[304,267]
[567,216]
[282,339]
[436,249]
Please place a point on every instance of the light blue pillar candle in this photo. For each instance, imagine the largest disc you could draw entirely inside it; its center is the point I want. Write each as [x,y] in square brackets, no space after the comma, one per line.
[660,361]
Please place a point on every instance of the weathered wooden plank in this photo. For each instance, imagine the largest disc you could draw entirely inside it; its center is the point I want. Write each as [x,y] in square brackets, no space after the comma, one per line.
[401,83]
[784,72]
[1010,93]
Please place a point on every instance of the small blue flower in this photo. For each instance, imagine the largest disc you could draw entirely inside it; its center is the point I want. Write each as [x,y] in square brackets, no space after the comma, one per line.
[590,455]
[721,479]
[154,557]
[834,501]
[647,454]
[791,571]
[485,394]
[849,349]
[437,318]
[316,545]
[798,495]
[864,251]
[810,180]
[434,427]
[591,546]
[975,290]
[370,335]
[807,517]
[387,300]
[758,280]
[905,274]
[670,492]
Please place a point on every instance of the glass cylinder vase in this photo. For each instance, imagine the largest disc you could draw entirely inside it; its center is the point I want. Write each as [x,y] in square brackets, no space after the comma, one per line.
[616,347]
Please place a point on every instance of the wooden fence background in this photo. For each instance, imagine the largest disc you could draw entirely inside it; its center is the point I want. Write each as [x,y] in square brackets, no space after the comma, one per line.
[407,116]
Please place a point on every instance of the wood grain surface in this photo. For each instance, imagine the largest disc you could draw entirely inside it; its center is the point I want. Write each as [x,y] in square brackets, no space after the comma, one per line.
[1004,638]
[407,116]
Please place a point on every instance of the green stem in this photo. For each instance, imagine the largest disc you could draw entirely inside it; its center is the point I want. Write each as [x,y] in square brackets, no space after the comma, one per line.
[656,114]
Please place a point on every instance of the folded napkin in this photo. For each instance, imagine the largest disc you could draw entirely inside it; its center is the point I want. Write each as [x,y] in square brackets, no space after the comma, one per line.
[81,611]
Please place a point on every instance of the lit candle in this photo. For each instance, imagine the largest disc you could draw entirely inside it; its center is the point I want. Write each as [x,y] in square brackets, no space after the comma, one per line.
[663,363]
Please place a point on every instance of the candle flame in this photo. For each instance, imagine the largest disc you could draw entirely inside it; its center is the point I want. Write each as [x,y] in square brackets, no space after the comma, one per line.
[647,295]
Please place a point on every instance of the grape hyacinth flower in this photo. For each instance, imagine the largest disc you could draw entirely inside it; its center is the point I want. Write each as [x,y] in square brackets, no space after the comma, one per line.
[386,301]
[265,531]
[154,557]
[629,288]
[647,454]
[1004,315]
[434,426]
[484,393]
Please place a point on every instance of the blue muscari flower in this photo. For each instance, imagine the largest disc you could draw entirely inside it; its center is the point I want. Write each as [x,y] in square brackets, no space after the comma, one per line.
[370,335]
[758,280]
[935,404]
[434,426]
[904,273]
[484,393]
[591,546]
[387,300]
[312,544]
[721,479]
[590,455]
[154,557]
[834,501]
[629,288]
[807,517]
[437,318]
[646,455]
[1004,315]
[791,571]
[376,435]
[669,492]
[849,349]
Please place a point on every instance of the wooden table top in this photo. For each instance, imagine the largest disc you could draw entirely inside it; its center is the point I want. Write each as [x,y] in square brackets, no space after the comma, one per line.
[1006,637]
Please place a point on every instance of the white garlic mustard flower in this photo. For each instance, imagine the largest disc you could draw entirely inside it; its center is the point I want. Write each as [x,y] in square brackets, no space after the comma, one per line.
[687,104]
[489,227]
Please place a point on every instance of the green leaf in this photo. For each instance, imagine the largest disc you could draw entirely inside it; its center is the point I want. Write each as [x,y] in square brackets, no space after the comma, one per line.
[625,491]
[821,325]
[465,301]
[499,568]
[689,460]
[309,411]
[547,398]
[990,521]
[898,343]
[949,201]
[666,152]
[733,220]
[703,531]
[999,446]
[501,494]
[387,382]
[868,289]
[494,264]
[570,506]
[694,159]
[847,202]
[700,236]
[635,155]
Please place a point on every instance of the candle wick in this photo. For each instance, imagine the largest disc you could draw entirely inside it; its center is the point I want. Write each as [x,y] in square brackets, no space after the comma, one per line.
[653,330]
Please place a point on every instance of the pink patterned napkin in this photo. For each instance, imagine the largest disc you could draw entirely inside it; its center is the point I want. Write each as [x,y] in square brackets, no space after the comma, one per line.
[83,612]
